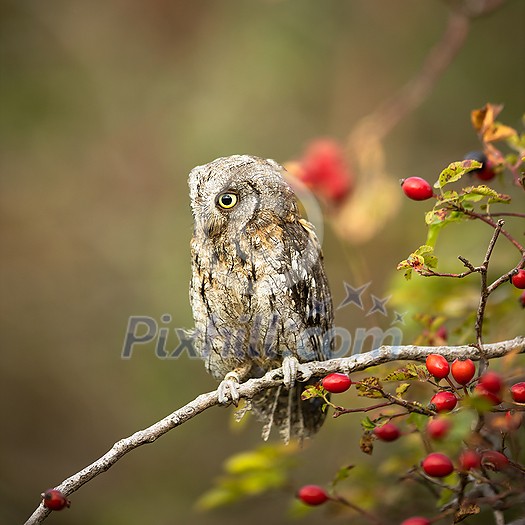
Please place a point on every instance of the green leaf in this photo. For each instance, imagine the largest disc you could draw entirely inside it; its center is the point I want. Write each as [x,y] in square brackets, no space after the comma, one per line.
[449,197]
[478,403]
[472,197]
[444,216]
[311,391]
[248,473]
[418,420]
[445,496]
[401,374]
[479,192]
[342,474]
[216,497]
[420,260]
[401,389]
[420,370]
[368,424]
[432,234]
[247,461]
[440,217]
[455,171]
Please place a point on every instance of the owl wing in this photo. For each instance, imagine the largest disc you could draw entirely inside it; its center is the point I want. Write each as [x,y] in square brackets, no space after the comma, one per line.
[310,293]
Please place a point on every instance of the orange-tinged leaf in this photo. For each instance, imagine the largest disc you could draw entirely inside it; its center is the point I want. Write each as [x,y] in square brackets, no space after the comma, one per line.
[483,118]
[498,131]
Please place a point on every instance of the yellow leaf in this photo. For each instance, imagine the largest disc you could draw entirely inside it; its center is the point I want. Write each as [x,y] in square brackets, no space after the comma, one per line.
[498,131]
[483,118]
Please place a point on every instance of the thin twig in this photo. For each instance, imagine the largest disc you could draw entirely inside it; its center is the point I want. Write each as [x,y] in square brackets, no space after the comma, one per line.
[503,214]
[250,388]
[339,411]
[484,295]
[486,219]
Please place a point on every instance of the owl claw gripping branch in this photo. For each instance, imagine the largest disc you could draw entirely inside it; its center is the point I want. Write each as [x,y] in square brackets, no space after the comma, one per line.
[259,292]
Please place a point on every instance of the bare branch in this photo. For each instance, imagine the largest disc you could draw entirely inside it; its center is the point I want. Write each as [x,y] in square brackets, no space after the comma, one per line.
[484,287]
[247,390]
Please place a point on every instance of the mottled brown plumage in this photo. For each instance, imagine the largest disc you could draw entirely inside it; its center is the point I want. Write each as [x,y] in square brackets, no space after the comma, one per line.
[259,293]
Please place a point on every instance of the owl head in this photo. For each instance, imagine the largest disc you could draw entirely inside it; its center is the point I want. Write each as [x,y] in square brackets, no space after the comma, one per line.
[229,192]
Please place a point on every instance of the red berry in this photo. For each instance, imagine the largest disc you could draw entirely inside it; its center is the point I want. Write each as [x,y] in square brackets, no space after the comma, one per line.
[437,465]
[336,383]
[469,459]
[463,371]
[416,520]
[387,432]
[494,460]
[54,499]
[444,401]
[438,428]
[517,391]
[312,495]
[491,397]
[437,365]
[485,172]
[518,280]
[491,381]
[417,189]
[325,170]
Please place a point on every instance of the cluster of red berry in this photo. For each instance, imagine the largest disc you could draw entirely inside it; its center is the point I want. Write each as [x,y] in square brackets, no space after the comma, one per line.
[419,189]
[490,387]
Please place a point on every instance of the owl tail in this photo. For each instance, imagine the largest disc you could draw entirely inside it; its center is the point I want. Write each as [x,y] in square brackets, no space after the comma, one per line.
[284,409]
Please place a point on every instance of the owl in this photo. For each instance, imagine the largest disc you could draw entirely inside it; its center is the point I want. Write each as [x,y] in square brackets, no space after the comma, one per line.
[259,292]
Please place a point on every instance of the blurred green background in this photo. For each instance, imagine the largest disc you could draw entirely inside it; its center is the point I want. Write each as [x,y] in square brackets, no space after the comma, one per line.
[105,107]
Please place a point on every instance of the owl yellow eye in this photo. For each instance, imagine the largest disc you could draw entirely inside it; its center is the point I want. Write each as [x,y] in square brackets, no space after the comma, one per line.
[227,200]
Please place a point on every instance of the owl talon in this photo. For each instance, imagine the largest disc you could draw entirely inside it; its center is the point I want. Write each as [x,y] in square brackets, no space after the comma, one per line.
[306,374]
[290,368]
[229,389]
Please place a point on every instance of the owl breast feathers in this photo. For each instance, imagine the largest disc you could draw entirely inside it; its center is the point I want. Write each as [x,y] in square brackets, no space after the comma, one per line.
[259,293]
